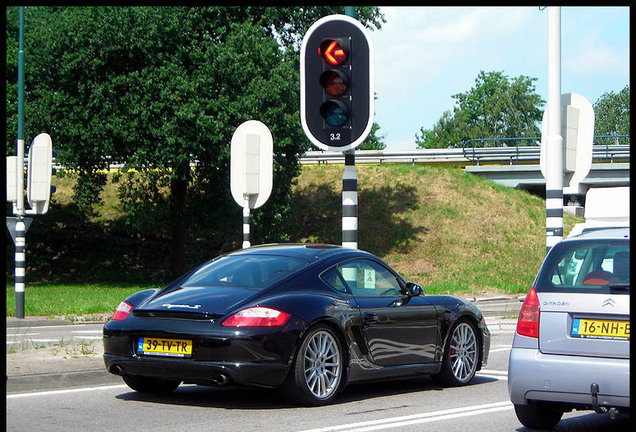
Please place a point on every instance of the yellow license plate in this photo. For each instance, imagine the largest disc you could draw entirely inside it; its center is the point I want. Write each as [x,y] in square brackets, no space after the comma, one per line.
[164,347]
[601,329]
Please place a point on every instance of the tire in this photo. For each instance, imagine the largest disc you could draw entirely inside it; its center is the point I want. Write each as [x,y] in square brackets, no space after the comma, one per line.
[461,354]
[145,384]
[318,369]
[538,416]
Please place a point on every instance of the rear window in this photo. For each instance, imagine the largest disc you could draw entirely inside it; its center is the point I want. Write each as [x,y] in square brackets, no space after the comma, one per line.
[600,266]
[248,271]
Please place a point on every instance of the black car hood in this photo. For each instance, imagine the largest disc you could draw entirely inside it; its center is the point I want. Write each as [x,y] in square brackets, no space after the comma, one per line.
[208,300]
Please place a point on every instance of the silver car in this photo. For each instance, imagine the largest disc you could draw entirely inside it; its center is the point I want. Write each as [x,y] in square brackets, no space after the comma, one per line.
[571,346]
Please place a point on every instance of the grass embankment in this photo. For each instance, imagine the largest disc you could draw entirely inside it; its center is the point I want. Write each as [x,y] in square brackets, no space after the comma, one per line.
[450,231]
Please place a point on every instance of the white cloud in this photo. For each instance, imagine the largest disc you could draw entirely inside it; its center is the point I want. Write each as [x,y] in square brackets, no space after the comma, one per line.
[598,61]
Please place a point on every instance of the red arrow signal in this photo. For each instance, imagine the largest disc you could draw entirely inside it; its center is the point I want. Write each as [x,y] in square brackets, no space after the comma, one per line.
[334,53]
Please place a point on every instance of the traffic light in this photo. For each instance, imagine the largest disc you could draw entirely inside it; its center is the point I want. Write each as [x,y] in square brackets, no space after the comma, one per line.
[336,83]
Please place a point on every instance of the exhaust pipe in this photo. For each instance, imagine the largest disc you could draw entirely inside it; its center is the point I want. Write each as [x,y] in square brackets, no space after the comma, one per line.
[220,379]
[116,370]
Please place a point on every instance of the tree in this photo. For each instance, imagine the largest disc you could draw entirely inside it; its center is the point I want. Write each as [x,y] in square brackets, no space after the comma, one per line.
[497,107]
[373,141]
[611,111]
[160,89]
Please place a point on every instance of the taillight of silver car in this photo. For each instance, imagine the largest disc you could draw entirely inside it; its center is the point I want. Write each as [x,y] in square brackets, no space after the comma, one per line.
[528,323]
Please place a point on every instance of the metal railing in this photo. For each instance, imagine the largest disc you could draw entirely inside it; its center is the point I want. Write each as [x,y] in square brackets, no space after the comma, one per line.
[615,148]
[453,156]
[610,151]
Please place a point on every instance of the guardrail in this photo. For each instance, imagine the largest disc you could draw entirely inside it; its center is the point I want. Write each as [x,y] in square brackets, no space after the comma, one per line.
[514,154]
[612,151]
[458,156]
[453,155]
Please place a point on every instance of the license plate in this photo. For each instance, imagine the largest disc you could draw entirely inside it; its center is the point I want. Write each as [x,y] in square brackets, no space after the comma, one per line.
[164,347]
[600,329]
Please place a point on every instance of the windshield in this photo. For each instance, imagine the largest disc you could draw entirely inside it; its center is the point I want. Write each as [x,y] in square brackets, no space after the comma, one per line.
[250,271]
[587,266]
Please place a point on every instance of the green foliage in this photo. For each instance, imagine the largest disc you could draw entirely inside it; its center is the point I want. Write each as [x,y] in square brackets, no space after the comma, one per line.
[611,112]
[496,107]
[160,89]
[373,141]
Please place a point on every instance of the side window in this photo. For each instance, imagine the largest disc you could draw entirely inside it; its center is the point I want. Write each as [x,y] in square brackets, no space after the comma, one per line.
[368,278]
[332,278]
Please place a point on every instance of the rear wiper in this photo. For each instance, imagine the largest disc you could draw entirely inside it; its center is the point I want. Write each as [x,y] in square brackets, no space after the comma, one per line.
[619,286]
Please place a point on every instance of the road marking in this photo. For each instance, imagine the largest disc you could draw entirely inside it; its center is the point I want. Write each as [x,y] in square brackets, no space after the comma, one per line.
[59,392]
[417,418]
[508,348]
[33,341]
[493,372]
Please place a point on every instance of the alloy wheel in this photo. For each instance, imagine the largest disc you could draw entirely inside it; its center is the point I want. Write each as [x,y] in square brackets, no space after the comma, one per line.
[322,368]
[463,352]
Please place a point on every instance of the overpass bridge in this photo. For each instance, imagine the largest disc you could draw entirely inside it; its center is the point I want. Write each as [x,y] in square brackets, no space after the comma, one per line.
[508,165]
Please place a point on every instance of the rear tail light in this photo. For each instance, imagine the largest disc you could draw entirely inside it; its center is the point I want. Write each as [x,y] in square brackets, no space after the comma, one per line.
[122,311]
[257,317]
[528,323]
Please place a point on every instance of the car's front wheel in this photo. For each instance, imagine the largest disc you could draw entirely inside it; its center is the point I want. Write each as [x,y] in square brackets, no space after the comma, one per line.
[461,355]
[145,384]
[317,372]
[538,415]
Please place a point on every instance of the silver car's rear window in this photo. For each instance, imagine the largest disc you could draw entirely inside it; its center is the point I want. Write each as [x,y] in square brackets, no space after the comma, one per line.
[586,266]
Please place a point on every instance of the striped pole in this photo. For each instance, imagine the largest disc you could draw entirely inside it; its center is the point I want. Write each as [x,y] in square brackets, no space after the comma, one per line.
[246,222]
[350,202]
[20,266]
[554,140]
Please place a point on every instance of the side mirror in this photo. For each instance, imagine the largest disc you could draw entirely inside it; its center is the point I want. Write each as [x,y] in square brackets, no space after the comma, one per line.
[413,289]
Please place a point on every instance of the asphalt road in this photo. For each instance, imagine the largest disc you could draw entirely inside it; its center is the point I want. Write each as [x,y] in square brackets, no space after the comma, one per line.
[55,387]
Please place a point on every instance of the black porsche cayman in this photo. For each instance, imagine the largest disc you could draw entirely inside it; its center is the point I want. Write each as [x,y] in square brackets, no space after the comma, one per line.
[305,318]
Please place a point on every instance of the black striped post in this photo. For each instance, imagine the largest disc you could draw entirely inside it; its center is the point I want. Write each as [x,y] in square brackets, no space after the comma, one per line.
[246,224]
[350,202]
[553,217]
[20,266]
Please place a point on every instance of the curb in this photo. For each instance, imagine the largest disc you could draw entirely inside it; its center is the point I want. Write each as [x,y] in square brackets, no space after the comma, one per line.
[24,322]
[42,321]
[54,381]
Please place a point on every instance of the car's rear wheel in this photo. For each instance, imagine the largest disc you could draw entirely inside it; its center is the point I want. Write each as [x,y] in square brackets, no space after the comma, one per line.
[461,355]
[317,372]
[145,384]
[538,415]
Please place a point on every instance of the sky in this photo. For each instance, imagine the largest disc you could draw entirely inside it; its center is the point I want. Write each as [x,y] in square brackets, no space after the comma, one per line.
[424,55]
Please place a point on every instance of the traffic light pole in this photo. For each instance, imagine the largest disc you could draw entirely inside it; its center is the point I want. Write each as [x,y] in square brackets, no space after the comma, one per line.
[20,227]
[554,141]
[350,202]
[350,187]
[336,99]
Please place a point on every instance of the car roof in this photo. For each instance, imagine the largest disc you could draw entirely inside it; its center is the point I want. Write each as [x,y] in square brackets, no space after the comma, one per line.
[602,233]
[310,252]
